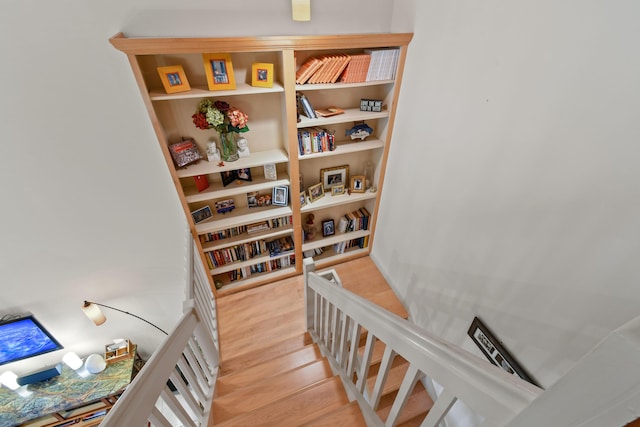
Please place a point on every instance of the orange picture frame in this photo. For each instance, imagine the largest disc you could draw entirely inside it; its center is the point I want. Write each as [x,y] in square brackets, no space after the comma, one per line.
[261,74]
[219,70]
[174,79]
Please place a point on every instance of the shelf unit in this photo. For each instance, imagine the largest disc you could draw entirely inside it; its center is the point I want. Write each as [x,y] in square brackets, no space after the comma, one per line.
[274,123]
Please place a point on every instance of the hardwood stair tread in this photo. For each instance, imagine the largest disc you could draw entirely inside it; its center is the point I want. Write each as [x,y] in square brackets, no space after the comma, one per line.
[416,408]
[347,415]
[263,393]
[394,378]
[236,380]
[297,409]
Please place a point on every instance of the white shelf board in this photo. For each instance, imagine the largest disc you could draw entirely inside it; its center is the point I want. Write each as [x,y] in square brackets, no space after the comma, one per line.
[218,191]
[203,92]
[324,86]
[245,238]
[241,216]
[258,277]
[258,158]
[346,147]
[330,257]
[349,115]
[332,240]
[328,200]
[257,260]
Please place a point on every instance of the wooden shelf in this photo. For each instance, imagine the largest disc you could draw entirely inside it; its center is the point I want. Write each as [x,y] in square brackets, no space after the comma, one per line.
[242,216]
[218,191]
[349,115]
[329,257]
[259,158]
[245,238]
[329,86]
[346,147]
[203,92]
[332,240]
[328,200]
[253,261]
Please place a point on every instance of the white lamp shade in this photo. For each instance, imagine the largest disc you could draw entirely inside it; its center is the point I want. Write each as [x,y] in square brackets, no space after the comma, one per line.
[95,363]
[72,360]
[10,380]
[94,313]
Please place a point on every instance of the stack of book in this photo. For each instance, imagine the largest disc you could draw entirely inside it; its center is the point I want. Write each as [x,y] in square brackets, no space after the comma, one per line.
[315,140]
[322,69]
[383,64]
[312,252]
[341,247]
[272,265]
[358,220]
[280,246]
[235,253]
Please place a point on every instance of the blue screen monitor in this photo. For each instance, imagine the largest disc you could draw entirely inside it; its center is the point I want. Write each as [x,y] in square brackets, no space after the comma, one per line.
[24,337]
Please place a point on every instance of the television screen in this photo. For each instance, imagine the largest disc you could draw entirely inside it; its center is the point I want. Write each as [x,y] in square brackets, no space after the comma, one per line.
[24,337]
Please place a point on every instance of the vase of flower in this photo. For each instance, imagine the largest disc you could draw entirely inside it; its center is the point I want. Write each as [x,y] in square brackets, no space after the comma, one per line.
[229,144]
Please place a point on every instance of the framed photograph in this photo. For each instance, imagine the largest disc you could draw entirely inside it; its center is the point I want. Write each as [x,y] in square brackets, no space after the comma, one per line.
[280,196]
[358,184]
[243,174]
[228,177]
[338,175]
[219,71]
[336,190]
[303,199]
[201,214]
[224,206]
[270,171]
[494,351]
[262,74]
[174,79]
[315,192]
[328,228]
[257,200]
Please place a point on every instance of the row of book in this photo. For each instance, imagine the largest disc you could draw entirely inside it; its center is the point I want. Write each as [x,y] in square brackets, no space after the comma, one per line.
[248,229]
[357,220]
[372,64]
[312,252]
[235,253]
[341,247]
[263,267]
[280,246]
[315,140]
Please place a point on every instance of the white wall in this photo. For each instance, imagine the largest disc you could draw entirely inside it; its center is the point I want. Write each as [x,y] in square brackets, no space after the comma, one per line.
[88,208]
[513,186]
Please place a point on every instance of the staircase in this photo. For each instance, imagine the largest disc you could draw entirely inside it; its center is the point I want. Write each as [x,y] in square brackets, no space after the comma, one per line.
[272,373]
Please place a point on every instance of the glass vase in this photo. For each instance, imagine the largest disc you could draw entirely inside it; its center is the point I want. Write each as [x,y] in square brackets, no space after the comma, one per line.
[229,146]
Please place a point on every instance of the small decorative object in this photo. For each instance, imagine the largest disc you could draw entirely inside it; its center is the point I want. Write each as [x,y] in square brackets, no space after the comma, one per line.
[262,74]
[329,111]
[218,283]
[281,196]
[174,79]
[224,206]
[228,177]
[309,228]
[373,189]
[361,131]
[201,214]
[219,71]
[270,171]
[494,351]
[243,147]
[202,183]
[336,190]
[95,364]
[316,192]
[328,228]
[184,153]
[213,154]
[358,184]
[338,175]
[368,173]
[371,105]
[243,174]
[257,200]
[226,120]
[303,199]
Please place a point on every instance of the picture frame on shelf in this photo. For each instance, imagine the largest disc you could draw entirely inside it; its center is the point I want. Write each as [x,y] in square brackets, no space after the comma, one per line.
[228,177]
[261,74]
[257,200]
[337,190]
[316,192]
[243,174]
[280,196]
[328,228]
[358,184]
[224,206]
[174,79]
[219,71]
[201,215]
[270,171]
[303,199]
[494,351]
[338,175]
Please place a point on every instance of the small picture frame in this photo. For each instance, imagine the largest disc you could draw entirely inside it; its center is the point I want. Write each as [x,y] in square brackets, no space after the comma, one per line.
[338,175]
[219,71]
[224,206]
[228,177]
[174,79]
[257,200]
[303,199]
[316,192]
[280,196]
[261,74]
[202,214]
[328,228]
[358,184]
[243,174]
[336,190]
[270,171]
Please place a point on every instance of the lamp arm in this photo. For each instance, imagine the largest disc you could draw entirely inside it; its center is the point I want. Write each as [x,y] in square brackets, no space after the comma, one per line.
[126,312]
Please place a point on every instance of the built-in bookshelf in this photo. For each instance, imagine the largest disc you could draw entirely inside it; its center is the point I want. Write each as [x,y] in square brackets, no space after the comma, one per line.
[244,243]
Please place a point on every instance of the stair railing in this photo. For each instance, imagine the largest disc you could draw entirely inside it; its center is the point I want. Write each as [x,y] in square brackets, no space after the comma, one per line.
[337,320]
[176,385]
